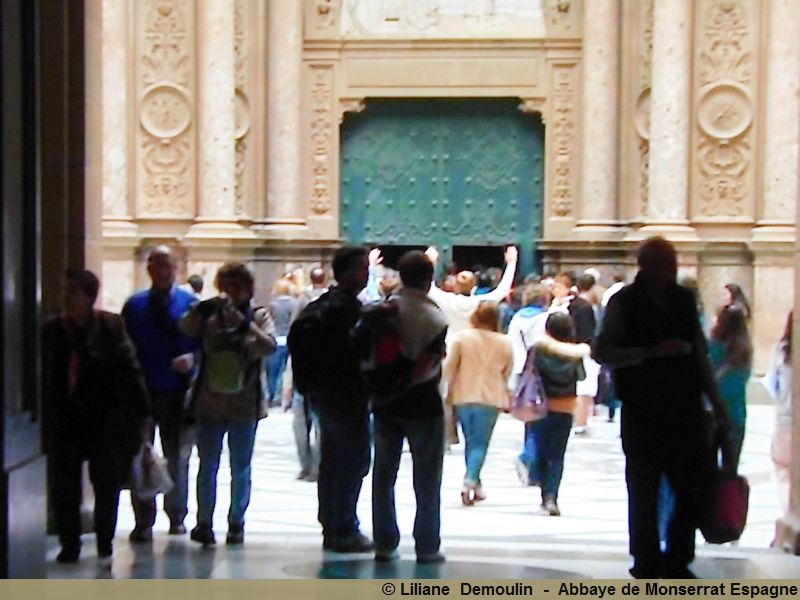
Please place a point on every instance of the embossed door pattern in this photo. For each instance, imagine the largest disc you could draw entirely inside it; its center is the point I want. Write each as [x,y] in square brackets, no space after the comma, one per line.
[444,172]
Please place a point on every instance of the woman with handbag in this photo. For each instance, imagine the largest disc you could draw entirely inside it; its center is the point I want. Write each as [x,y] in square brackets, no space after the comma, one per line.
[559,364]
[730,351]
[95,404]
[477,371]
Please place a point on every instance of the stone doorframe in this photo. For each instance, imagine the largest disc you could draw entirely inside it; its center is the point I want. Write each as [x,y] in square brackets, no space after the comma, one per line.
[340,75]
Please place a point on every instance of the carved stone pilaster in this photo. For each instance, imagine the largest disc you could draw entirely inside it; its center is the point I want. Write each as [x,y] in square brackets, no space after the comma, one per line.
[563,176]
[642,114]
[165,80]
[724,133]
[322,134]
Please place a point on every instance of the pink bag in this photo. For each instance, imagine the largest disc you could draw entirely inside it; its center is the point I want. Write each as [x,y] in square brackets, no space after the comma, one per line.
[727,509]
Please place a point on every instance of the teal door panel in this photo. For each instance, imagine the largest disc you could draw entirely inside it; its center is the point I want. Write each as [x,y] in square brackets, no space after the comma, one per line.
[443,172]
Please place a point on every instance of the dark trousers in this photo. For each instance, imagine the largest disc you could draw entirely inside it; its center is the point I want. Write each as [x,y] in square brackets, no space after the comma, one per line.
[551,435]
[426,442]
[669,443]
[177,440]
[344,462]
[67,491]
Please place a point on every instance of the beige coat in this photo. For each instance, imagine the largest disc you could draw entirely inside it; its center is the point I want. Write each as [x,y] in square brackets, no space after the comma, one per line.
[478,367]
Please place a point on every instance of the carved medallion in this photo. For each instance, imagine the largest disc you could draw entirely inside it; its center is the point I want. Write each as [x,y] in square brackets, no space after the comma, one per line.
[725,110]
[165,110]
[642,116]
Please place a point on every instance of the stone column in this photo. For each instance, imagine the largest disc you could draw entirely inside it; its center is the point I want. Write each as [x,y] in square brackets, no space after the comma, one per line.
[285,51]
[782,115]
[670,120]
[600,117]
[216,116]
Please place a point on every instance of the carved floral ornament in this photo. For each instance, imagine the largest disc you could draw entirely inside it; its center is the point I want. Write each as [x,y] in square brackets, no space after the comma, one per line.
[165,110]
[563,141]
[321,136]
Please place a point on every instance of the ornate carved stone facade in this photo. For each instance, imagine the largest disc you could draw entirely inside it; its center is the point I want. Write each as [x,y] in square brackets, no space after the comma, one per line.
[165,79]
[725,134]
[300,69]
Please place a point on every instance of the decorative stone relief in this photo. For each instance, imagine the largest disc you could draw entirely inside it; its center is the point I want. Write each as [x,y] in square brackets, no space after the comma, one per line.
[534,105]
[165,144]
[327,13]
[563,189]
[562,17]
[321,138]
[724,136]
[350,105]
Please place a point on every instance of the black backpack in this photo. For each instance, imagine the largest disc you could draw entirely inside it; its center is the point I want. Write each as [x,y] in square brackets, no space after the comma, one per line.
[312,343]
[386,371]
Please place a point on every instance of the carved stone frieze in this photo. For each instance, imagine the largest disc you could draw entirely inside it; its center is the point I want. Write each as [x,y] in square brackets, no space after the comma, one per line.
[165,144]
[642,114]
[241,107]
[321,138]
[725,110]
[563,189]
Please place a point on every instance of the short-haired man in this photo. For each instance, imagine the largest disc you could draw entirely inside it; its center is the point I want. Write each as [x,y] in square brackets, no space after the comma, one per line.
[342,410]
[415,415]
[652,339]
[167,358]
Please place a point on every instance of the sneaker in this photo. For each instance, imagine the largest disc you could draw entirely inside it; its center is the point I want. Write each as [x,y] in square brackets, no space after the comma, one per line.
[302,475]
[385,556]
[522,471]
[581,431]
[235,535]
[203,534]
[551,507]
[356,543]
[141,535]
[478,494]
[68,556]
[434,558]
[466,494]
[177,529]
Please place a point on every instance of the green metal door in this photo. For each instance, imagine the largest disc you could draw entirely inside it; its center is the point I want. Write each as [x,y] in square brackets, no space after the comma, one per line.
[443,172]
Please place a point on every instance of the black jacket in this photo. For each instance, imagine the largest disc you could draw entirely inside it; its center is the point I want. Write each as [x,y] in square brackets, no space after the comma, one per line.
[109,403]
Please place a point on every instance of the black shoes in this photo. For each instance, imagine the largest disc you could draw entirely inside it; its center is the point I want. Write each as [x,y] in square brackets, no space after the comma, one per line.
[177,529]
[356,543]
[68,556]
[203,534]
[141,535]
[434,558]
[235,535]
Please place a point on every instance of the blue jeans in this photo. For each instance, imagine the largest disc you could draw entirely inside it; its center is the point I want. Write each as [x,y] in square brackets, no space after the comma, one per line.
[426,442]
[344,462]
[241,439]
[477,422]
[276,365]
[551,435]
[528,455]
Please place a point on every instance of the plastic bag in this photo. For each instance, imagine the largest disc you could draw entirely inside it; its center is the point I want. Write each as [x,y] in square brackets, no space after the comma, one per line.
[149,474]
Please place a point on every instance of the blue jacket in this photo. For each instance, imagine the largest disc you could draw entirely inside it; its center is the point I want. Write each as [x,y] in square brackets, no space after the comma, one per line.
[158,339]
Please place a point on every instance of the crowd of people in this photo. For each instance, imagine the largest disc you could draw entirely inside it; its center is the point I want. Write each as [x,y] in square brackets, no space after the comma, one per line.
[381,357]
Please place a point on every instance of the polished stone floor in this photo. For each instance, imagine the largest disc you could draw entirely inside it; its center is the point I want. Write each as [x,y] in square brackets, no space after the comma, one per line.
[503,537]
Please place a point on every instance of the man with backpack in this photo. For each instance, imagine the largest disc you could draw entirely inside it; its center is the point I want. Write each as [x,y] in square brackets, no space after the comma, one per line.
[414,413]
[326,371]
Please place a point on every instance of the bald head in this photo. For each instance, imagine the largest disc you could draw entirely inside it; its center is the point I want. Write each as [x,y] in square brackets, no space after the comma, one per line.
[162,267]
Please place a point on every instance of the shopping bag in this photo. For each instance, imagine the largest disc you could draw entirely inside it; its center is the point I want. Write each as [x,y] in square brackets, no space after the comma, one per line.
[149,474]
[726,513]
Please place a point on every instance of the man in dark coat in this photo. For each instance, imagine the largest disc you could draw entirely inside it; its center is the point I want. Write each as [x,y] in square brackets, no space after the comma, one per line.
[652,339]
[94,407]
